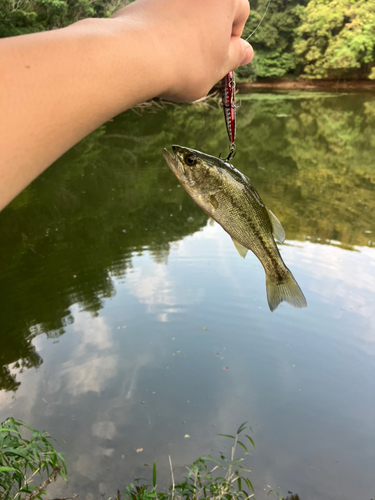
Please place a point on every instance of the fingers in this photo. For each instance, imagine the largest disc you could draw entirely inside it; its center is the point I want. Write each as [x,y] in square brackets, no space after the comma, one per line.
[242,13]
[249,54]
[240,53]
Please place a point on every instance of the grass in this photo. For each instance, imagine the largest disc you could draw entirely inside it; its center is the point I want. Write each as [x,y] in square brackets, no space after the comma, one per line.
[223,479]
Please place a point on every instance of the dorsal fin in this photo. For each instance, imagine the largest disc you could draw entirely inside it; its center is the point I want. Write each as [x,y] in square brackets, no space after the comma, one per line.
[277,229]
[240,248]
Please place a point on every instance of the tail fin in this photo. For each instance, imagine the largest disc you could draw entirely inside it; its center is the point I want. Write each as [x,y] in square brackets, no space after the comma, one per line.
[286,290]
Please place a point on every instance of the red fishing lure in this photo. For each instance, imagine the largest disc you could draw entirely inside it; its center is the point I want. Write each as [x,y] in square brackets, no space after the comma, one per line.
[228,91]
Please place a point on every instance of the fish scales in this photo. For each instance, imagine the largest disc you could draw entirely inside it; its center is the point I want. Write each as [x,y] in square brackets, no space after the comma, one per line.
[253,228]
[238,201]
[227,196]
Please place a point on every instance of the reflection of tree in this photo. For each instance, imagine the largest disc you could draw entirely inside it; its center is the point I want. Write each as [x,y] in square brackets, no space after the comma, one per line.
[8,381]
[21,350]
[317,155]
[66,237]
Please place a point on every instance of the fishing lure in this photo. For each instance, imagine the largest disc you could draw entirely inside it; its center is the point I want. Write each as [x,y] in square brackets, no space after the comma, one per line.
[228,92]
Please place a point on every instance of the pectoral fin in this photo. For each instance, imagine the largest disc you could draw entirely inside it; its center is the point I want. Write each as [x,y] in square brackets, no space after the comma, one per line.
[213,201]
[277,229]
[240,249]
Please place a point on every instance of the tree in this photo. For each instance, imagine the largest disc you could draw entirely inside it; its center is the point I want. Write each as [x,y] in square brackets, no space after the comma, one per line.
[337,38]
[29,16]
[273,40]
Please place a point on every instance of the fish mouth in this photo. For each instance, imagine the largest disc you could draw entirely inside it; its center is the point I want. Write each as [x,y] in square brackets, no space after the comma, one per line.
[174,162]
[168,157]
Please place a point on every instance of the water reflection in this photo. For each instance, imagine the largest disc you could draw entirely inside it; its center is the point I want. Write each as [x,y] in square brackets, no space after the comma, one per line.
[109,258]
[65,238]
[146,371]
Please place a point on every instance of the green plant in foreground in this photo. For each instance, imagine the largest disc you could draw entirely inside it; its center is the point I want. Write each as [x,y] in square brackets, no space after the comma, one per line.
[227,479]
[21,460]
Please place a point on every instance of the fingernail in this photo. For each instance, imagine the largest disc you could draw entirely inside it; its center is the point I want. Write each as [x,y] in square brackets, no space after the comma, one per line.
[249,54]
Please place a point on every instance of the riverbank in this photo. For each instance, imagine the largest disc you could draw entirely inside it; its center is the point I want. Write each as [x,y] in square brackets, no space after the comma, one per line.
[304,84]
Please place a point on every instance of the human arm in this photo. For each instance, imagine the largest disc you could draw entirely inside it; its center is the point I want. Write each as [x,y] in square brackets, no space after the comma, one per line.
[58,86]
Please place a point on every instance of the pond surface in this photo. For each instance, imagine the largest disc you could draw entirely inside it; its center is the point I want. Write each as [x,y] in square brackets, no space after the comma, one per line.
[128,320]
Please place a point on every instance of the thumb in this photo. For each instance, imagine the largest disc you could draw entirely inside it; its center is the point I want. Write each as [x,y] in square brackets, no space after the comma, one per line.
[240,52]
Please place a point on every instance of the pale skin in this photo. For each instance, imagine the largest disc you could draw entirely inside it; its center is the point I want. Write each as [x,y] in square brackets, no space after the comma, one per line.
[58,86]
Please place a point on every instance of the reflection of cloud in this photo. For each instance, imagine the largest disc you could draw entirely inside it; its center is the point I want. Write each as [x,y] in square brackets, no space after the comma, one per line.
[5,400]
[215,246]
[90,361]
[343,278]
[211,241]
[133,368]
[93,329]
[86,373]
[117,369]
[351,276]
[91,375]
[87,465]
[159,285]
[356,269]
[104,429]
[211,231]
[152,286]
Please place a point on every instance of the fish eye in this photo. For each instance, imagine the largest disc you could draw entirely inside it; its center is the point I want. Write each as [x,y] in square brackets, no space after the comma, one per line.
[190,160]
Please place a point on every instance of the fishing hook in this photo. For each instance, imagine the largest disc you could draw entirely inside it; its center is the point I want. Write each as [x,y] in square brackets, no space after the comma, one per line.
[232,153]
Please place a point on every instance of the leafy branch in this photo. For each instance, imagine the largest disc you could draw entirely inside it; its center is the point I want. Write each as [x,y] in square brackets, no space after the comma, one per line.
[21,460]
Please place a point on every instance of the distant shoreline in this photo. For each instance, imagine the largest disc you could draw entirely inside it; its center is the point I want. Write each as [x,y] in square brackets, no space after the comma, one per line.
[303,84]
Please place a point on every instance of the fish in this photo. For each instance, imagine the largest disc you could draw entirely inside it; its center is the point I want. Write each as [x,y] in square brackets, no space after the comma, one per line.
[227,195]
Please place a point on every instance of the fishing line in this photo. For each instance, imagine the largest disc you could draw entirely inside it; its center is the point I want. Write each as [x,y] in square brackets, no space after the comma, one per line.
[228,91]
[260,22]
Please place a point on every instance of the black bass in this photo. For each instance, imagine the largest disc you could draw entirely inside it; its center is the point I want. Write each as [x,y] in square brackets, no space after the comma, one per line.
[228,197]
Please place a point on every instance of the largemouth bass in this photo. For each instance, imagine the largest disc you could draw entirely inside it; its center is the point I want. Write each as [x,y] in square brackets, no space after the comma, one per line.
[226,195]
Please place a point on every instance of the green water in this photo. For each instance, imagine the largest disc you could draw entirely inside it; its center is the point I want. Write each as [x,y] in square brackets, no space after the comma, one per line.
[121,304]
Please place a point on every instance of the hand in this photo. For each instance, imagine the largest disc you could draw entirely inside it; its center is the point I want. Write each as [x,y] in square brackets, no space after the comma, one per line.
[195,42]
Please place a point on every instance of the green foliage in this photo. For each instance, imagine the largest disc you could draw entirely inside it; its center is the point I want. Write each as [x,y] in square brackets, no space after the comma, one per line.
[22,459]
[274,63]
[337,38]
[18,17]
[318,39]
[207,477]
[273,40]
[249,72]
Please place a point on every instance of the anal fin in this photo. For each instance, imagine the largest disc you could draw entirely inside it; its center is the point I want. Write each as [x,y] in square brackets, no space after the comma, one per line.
[240,248]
